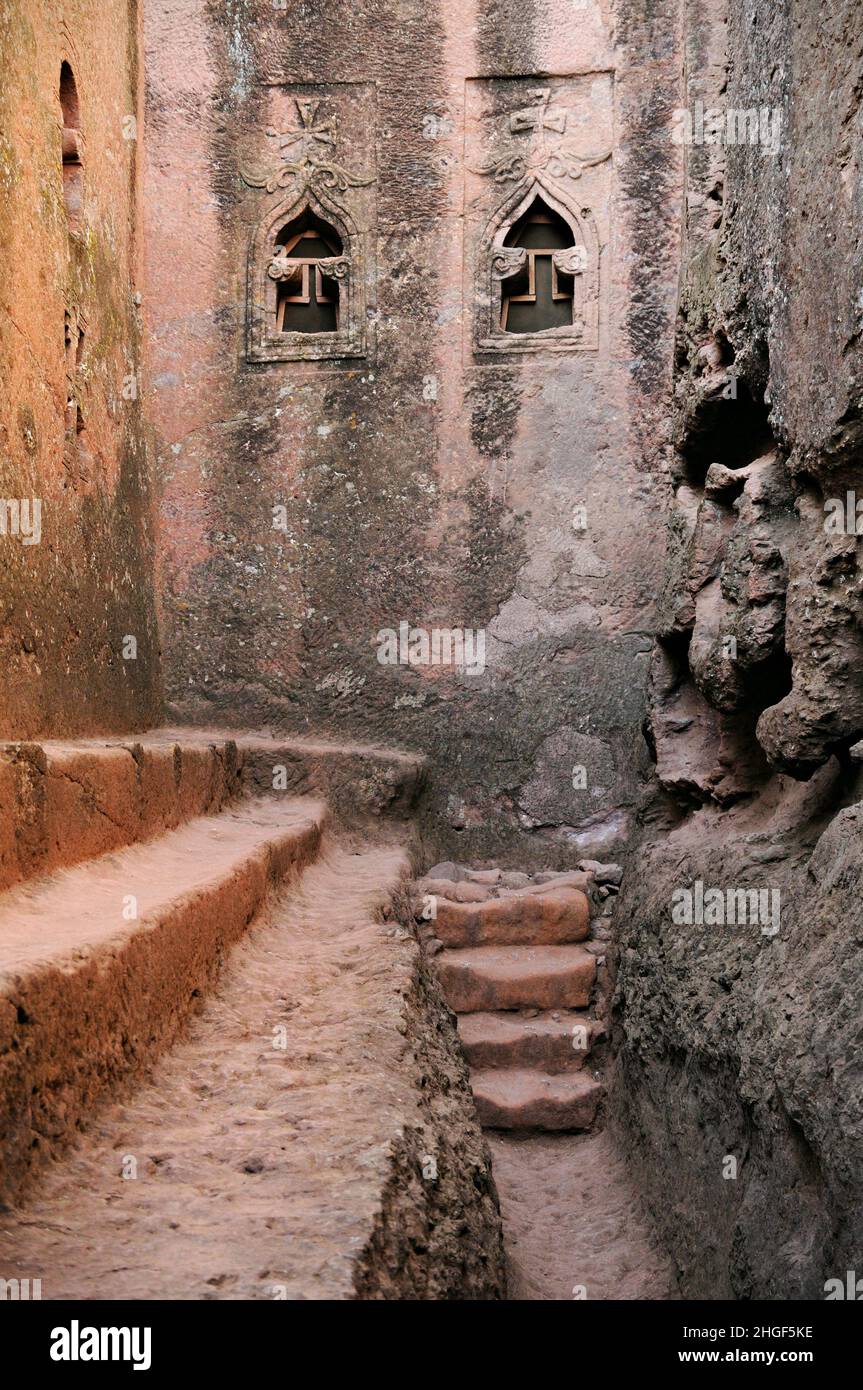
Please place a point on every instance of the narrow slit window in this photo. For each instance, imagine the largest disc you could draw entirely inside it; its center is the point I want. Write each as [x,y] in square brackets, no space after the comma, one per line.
[539,296]
[73,165]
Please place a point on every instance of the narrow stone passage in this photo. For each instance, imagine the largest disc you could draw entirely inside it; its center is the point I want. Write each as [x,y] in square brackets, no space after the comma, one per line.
[573,1224]
[276,1152]
[522,962]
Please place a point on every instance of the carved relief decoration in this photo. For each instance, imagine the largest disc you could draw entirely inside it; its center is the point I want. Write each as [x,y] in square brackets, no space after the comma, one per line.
[546,151]
[548,147]
[303,156]
[313,179]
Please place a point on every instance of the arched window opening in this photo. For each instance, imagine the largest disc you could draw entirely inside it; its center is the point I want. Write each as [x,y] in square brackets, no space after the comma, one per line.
[540,294]
[73,167]
[307,264]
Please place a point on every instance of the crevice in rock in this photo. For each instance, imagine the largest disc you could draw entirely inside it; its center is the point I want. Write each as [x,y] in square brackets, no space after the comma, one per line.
[727,425]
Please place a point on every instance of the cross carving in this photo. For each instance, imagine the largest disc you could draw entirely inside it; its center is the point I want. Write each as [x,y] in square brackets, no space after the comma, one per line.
[538,119]
[306,151]
[308,134]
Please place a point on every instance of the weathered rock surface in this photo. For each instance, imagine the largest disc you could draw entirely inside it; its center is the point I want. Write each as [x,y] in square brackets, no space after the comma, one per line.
[742,1046]
[421,481]
[75,442]
[738,1047]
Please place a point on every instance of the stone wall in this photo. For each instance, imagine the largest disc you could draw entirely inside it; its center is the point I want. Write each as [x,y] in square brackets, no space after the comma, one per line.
[740,1042]
[422,472]
[78,645]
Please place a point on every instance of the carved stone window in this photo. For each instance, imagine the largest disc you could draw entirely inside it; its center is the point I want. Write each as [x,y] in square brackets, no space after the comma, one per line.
[539,275]
[72,149]
[540,293]
[306,266]
[305,299]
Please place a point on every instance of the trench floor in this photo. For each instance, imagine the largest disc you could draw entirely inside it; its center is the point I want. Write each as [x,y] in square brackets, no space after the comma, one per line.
[574,1226]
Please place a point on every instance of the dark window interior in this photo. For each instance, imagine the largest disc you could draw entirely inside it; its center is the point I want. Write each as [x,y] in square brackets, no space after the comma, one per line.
[539,297]
[73,168]
[308,303]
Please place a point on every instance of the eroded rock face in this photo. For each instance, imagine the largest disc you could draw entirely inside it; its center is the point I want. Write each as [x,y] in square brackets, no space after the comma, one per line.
[722,652]
[740,1046]
[79,647]
[436,1239]
[736,1043]
[824,636]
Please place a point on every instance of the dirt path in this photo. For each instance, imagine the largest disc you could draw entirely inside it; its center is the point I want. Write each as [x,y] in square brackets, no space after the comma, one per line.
[244,1169]
[573,1221]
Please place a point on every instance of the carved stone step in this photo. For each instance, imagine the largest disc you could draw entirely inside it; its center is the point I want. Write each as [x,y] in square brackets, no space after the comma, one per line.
[523,1099]
[546,1043]
[516,977]
[549,918]
[64,803]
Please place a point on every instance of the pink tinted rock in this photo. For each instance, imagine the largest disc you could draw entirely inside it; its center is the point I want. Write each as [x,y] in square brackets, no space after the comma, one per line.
[550,1042]
[514,977]
[533,1100]
[555,917]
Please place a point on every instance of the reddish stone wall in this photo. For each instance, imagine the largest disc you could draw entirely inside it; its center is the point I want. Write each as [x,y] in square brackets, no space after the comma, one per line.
[77,559]
[423,482]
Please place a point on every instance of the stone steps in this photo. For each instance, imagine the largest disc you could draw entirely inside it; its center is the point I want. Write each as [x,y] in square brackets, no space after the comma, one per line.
[527,1099]
[549,1042]
[485,978]
[101,964]
[561,917]
[359,782]
[509,957]
[63,803]
[249,1120]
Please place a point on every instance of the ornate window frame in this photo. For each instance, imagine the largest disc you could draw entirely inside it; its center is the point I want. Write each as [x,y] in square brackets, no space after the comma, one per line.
[498,262]
[265,343]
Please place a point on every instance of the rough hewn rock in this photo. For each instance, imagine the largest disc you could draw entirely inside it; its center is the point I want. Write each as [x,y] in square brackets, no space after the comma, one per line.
[74,440]
[740,1045]
[737,1045]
